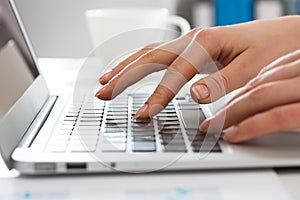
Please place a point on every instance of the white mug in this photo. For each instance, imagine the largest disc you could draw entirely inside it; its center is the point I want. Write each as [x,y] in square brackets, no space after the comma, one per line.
[106,23]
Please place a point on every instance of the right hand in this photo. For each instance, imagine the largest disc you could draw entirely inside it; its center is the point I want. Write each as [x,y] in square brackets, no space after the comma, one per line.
[242,50]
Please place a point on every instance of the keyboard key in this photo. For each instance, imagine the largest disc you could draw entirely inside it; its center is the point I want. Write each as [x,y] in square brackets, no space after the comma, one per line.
[86,132]
[192,118]
[143,133]
[214,149]
[68,123]
[94,128]
[166,115]
[85,138]
[143,147]
[91,119]
[98,113]
[168,111]
[114,130]
[93,110]
[116,134]
[113,147]
[118,107]
[105,139]
[173,142]
[120,126]
[117,113]
[189,106]
[141,128]
[170,131]
[175,148]
[72,115]
[168,126]
[66,127]
[164,123]
[121,108]
[117,121]
[82,148]
[142,121]
[142,138]
[91,116]
[167,118]
[83,143]
[70,118]
[89,123]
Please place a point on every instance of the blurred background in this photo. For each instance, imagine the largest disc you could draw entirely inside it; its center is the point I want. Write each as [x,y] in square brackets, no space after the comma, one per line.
[57,28]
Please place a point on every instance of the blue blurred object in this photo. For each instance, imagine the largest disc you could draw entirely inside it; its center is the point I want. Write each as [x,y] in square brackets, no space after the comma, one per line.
[233,11]
[293,7]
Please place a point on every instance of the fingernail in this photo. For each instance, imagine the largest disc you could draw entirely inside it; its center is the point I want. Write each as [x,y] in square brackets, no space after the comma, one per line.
[204,126]
[200,91]
[104,77]
[100,92]
[141,111]
[231,134]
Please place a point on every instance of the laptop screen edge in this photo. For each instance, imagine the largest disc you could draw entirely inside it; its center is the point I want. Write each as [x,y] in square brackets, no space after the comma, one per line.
[17,120]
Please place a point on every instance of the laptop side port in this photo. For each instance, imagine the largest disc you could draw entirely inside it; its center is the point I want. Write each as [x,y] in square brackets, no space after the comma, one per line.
[45,167]
[76,166]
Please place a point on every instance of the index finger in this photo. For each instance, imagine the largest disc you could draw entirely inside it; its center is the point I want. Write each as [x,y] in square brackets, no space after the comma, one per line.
[200,51]
[105,78]
[154,60]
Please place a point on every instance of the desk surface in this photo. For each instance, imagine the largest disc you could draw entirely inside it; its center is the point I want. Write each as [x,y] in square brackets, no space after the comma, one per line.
[68,70]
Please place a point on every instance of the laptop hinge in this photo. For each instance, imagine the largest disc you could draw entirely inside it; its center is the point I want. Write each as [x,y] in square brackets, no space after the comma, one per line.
[37,123]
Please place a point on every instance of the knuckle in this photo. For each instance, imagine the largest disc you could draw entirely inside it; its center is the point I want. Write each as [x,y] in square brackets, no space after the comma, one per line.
[150,47]
[210,33]
[293,112]
[150,56]
[283,117]
[209,39]
[180,61]
[257,94]
[205,34]
[159,96]
[194,31]
[279,117]
[225,82]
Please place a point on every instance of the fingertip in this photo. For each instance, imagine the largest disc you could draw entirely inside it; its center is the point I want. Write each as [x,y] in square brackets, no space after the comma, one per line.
[102,81]
[142,113]
[103,94]
[232,135]
[105,78]
[204,126]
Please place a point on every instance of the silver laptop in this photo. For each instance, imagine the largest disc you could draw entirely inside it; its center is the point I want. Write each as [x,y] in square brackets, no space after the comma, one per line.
[43,134]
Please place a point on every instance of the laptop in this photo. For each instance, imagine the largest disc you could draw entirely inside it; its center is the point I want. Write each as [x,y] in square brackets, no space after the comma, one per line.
[45,134]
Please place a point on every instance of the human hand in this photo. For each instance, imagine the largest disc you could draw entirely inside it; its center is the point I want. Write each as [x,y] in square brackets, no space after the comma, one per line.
[241,50]
[269,103]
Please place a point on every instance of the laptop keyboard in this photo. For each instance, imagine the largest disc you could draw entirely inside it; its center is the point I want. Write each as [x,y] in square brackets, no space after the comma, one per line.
[99,126]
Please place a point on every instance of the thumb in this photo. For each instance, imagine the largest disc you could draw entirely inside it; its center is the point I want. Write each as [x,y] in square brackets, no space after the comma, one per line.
[231,77]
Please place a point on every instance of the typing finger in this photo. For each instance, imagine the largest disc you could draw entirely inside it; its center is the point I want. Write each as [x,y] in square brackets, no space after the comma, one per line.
[282,72]
[199,52]
[288,58]
[260,99]
[105,78]
[281,118]
[154,60]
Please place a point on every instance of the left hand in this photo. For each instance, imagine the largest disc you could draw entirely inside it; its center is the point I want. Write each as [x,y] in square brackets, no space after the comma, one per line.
[269,103]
